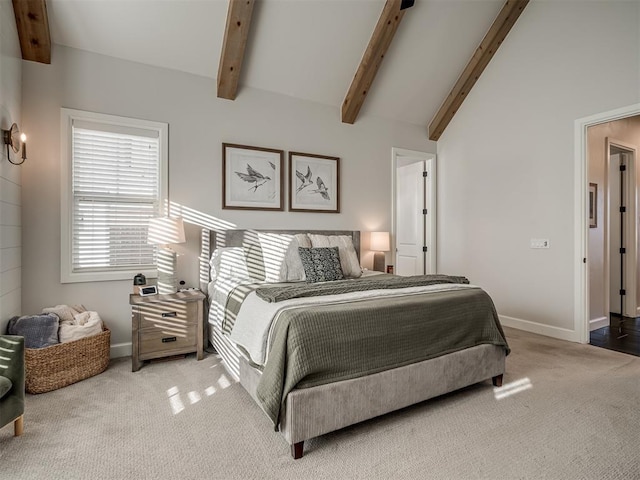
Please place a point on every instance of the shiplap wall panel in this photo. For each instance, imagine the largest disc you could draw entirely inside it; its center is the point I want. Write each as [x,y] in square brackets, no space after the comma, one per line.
[10,175]
[10,236]
[10,281]
[10,305]
[10,214]
[9,191]
[10,258]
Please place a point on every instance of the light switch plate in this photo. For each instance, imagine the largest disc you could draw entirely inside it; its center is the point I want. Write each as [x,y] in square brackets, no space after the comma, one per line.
[539,243]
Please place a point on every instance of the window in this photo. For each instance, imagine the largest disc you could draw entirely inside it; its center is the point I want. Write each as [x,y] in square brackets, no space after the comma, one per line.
[114,180]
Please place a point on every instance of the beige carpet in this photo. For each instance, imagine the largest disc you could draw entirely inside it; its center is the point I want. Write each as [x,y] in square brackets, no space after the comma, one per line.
[579,419]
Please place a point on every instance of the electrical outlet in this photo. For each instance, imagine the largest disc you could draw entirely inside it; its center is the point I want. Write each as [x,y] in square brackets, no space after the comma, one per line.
[539,243]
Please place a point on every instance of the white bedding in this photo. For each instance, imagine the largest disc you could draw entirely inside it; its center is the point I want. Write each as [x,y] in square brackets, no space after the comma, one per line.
[256,317]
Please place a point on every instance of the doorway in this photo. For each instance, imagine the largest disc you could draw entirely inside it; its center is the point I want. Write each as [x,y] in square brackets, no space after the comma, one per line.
[621,332]
[414,212]
[606,155]
[582,232]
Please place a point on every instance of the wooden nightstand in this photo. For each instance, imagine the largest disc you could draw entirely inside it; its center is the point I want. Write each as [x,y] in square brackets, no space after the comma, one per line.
[165,325]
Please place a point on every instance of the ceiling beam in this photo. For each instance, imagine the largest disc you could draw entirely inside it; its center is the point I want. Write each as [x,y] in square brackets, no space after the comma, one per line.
[33,30]
[386,27]
[481,58]
[233,46]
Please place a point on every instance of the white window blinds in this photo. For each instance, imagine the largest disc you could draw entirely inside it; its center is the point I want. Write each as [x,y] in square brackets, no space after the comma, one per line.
[115,188]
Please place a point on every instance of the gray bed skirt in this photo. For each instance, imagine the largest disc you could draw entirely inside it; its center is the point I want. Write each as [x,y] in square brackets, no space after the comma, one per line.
[311,412]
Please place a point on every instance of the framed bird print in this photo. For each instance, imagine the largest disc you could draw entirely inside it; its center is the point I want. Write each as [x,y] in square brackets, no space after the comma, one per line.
[252,178]
[314,183]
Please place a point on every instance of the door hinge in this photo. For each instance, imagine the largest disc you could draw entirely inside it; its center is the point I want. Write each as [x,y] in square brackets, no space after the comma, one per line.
[623,168]
[623,209]
[425,174]
[424,211]
[623,250]
[424,249]
[623,291]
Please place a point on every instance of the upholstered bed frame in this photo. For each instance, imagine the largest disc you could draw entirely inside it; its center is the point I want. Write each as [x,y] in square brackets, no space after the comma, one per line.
[311,412]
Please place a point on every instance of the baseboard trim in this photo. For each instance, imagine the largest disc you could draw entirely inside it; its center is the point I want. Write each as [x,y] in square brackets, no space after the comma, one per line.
[540,328]
[597,323]
[121,350]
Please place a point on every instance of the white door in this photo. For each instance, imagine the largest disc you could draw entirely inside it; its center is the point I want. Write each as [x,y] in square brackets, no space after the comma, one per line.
[614,234]
[622,233]
[429,216]
[414,212]
[410,202]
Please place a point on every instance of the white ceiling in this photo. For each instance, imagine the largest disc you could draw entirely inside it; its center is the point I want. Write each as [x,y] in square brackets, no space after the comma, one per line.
[309,49]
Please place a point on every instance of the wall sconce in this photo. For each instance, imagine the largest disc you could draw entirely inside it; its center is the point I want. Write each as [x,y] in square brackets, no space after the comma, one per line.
[379,244]
[15,140]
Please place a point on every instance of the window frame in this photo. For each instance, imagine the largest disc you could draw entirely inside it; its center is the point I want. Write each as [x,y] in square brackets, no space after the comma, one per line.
[67,117]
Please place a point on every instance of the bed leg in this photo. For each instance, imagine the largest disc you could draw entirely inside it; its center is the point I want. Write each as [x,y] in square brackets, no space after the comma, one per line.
[296,450]
[497,380]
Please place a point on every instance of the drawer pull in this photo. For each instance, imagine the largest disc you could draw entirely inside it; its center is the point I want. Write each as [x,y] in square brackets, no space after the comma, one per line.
[170,314]
[169,339]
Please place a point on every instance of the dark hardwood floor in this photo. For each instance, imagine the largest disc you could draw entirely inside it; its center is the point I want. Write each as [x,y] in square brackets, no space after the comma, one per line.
[610,337]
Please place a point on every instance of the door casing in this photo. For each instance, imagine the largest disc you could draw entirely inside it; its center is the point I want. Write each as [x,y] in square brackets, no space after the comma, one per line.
[581,315]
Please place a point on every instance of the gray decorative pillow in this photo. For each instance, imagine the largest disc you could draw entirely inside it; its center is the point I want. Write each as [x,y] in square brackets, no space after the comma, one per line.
[38,330]
[321,264]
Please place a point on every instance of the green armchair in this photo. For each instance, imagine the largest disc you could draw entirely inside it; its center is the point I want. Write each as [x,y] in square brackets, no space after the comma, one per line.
[12,382]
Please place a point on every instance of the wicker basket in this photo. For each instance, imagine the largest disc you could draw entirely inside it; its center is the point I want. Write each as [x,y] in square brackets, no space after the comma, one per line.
[57,366]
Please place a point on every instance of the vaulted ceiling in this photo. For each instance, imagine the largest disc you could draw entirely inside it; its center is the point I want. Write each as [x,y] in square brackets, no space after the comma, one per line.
[309,49]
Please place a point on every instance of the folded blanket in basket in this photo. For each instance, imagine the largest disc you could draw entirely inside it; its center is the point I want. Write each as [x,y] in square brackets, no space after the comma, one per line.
[65,312]
[75,322]
[38,330]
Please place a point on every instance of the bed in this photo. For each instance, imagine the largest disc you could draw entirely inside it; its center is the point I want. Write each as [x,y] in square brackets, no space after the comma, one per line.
[317,357]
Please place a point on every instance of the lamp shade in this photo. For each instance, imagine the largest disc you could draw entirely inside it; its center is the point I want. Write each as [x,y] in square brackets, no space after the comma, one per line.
[165,230]
[379,241]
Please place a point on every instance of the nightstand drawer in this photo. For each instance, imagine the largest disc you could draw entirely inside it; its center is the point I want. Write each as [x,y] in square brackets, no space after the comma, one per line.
[168,315]
[167,339]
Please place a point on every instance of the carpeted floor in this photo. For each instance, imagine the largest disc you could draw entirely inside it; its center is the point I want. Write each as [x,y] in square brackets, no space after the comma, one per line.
[575,414]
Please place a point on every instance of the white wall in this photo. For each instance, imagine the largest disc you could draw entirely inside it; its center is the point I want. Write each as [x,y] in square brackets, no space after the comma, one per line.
[198,124]
[10,175]
[506,161]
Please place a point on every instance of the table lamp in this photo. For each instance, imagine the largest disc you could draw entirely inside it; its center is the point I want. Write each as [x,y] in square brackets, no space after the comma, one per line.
[379,243]
[164,231]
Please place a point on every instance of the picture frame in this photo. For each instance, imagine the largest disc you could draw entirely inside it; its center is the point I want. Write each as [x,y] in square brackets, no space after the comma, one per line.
[314,183]
[252,178]
[593,205]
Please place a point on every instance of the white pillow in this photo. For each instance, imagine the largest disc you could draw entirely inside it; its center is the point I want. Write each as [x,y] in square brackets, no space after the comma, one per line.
[348,257]
[229,263]
[274,249]
[292,269]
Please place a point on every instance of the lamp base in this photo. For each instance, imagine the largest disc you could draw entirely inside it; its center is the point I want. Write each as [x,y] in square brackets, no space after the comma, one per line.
[379,261]
[167,279]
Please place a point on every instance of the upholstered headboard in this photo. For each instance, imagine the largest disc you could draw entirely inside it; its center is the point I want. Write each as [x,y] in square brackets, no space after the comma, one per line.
[237,238]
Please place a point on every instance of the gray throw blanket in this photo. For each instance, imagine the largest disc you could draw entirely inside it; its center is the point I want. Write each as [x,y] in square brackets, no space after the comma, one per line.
[328,343]
[39,331]
[278,293]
